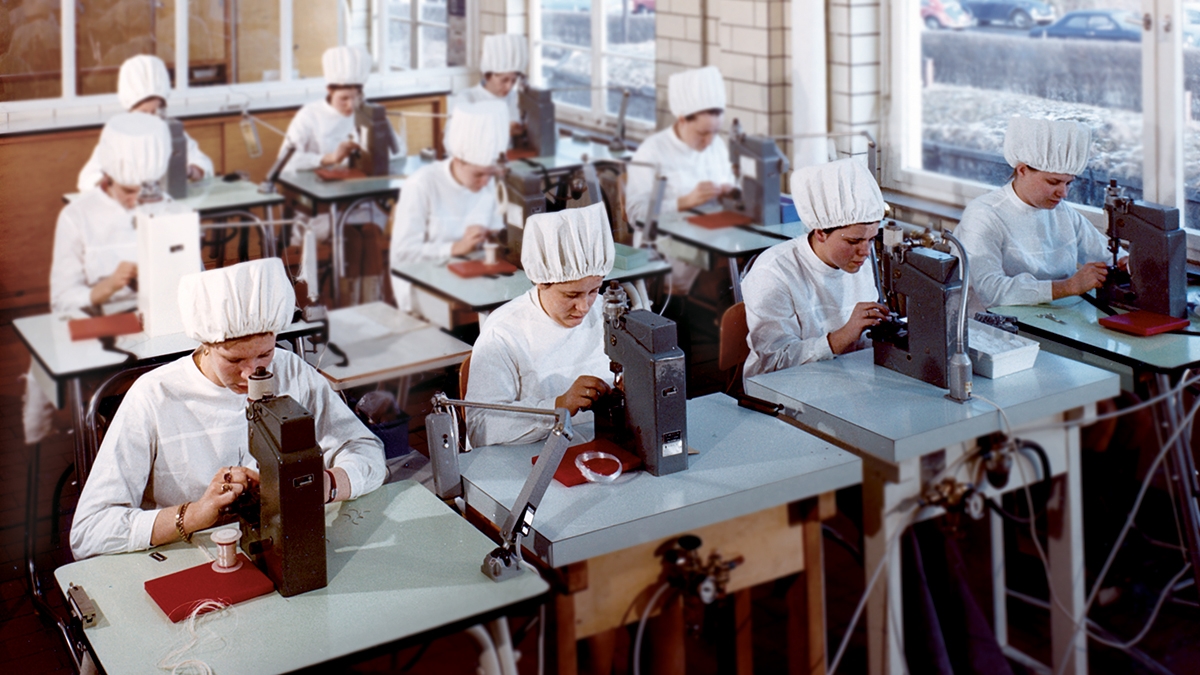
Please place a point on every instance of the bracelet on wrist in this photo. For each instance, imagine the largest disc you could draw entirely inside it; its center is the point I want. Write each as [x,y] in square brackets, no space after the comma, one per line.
[183,534]
[332,487]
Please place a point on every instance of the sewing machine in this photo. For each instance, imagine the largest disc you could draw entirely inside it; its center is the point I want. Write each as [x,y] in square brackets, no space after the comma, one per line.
[283,525]
[1156,280]
[525,198]
[924,336]
[177,165]
[537,116]
[759,168]
[650,403]
[375,138]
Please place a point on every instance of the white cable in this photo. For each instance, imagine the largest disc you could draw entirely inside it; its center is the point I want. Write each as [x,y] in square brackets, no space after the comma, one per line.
[1086,421]
[637,642]
[1162,597]
[173,661]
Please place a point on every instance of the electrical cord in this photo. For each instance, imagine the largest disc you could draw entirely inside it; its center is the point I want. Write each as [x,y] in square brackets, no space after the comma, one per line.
[641,630]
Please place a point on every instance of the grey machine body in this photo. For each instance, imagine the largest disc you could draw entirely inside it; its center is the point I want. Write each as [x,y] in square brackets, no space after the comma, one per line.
[525,191]
[537,115]
[759,167]
[1157,277]
[647,359]
[923,286]
[177,163]
[376,133]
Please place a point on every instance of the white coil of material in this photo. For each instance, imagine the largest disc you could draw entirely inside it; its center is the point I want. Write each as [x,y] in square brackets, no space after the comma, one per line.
[582,460]
[227,558]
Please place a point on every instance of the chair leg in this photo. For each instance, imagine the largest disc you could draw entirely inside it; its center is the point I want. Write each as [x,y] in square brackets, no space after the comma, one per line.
[56,505]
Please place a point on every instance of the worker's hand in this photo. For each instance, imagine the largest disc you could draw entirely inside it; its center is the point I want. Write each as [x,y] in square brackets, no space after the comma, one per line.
[225,487]
[582,394]
[472,239]
[1123,264]
[704,192]
[194,172]
[1089,276]
[864,316]
[126,272]
[343,151]
[515,128]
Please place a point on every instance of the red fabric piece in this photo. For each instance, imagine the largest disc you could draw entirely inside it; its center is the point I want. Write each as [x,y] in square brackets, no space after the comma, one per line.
[526,153]
[1141,322]
[568,474]
[476,268]
[113,325]
[179,593]
[719,220]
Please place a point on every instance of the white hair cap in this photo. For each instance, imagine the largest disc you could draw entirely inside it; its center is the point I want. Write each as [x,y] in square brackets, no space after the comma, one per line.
[232,302]
[504,53]
[346,65]
[140,78]
[477,133]
[134,148]
[1053,146]
[695,90]
[568,245]
[836,194]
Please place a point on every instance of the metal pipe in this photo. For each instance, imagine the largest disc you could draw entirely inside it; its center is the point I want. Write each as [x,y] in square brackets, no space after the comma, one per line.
[441,401]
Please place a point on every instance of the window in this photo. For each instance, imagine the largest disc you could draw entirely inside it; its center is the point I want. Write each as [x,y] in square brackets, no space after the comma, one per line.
[30,47]
[590,52]
[417,32]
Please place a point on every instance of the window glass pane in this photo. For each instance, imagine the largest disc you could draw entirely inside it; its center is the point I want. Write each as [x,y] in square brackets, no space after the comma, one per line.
[1191,127]
[433,11]
[569,73]
[1023,60]
[638,77]
[110,31]
[399,46]
[252,39]
[567,22]
[314,29]
[433,46]
[30,50]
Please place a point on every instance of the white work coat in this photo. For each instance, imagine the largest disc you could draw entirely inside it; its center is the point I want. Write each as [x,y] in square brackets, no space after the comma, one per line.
[793,301]
[523,357]
[93,236]
[479,93]
[1016,250]
[91,173]
[433,212]
[684,168]
[176,428]
[317,130]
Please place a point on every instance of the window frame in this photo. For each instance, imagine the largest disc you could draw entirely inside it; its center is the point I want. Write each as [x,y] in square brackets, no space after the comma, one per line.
[384,18]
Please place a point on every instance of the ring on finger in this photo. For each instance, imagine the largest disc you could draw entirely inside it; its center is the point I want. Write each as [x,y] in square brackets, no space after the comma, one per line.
[225,487]
[228,476]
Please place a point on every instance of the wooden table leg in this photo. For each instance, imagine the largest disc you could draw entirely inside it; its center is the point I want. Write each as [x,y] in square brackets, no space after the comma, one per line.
[806,598]
[744,632]
[562,654]
[885,491]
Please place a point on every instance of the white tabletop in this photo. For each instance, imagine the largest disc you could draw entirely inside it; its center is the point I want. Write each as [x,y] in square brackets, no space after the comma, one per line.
[308,183]
[895,417]
[381,343]
[400,563]
[213,195]
[569,154]
[747,462]
[726,241]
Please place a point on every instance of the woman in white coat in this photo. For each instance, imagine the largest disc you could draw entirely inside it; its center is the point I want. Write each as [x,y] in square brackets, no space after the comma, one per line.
[813,297]
[545,349]
[143,86]
[449,208]
[1027,246]
[690,153]
[503,62]
[177,452]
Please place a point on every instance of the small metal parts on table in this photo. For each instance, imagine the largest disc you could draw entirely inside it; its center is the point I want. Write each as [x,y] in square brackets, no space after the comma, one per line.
[1051,317]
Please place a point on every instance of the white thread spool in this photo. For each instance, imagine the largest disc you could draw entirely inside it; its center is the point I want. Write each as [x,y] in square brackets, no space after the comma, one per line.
[227,557]
[490,256]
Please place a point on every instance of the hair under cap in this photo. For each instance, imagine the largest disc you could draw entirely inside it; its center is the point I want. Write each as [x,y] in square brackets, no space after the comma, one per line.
[478,132]
[232,302]
[140,78]
[134,148]
[346,65]
[504,53]
[695,90]
[1059,146]
[836,194]
[568,245]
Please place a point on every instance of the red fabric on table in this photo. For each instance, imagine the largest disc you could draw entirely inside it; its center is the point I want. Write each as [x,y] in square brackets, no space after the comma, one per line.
[339,174]
[719,220]
[470,269]
[1143,323]
[568,474]
[179,593]
[526,153]
[113,325]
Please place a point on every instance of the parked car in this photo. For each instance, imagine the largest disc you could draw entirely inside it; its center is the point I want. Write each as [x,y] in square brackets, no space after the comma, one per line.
[937,14]
[643,6]
[1019,13]
[566,5]
[1105,24]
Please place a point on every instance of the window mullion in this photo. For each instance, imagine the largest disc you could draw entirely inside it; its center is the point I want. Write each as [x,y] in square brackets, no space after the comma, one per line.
[181,45]
[599,41]
[1162,103]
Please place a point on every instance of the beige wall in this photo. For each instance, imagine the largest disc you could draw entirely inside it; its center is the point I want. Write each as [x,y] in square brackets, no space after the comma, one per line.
[314,30]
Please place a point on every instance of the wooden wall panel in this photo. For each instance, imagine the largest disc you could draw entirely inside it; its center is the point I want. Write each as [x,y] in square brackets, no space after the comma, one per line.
[237,157]
[313,31]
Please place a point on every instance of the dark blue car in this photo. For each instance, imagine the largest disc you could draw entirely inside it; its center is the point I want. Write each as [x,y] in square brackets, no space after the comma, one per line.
[1019,13]
[1106,24]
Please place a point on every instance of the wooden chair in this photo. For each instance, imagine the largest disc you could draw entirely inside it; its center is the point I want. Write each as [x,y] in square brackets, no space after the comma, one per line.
[464,374]
[732,349]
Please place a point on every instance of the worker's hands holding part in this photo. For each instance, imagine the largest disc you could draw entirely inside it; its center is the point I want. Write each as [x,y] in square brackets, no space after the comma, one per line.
[1090,276]
[864,316]
[108,286]
[582,394]
[704,192]
[225,487]
[341,153]
[195,173]
[472,239]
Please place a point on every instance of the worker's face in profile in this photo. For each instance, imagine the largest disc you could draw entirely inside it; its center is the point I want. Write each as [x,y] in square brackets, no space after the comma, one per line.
[846,248]
[344,101]
[151,106]
[499,84]
[569,302]
[125,195]
[698,133]
[474,177]
[233,362]
[1041,189]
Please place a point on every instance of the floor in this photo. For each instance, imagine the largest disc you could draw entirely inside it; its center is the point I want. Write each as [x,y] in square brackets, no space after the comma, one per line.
[1171,646]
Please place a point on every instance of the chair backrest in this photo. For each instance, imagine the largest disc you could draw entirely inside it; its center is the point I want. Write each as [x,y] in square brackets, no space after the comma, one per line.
[464,374]
[733,350]
[102,408]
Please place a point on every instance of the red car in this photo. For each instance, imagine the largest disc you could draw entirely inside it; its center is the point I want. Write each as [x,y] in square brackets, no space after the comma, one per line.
[642,6]
[937,14]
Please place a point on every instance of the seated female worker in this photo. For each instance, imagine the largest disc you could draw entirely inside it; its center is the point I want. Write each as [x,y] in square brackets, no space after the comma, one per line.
[690,153]
[503,63]
[1026,245]
[545,349]
[812,298]
[142,87]
[449,208]
[176,452]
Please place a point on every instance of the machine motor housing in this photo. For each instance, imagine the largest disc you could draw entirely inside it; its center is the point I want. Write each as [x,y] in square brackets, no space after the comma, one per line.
[759,166]
[537,112]
[1157,277]
[177,165]
[375,133]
